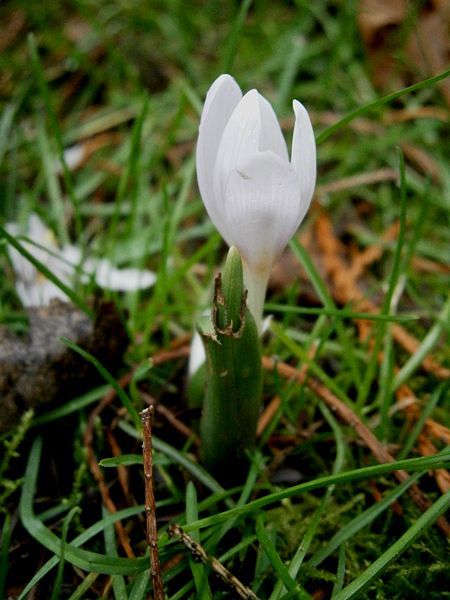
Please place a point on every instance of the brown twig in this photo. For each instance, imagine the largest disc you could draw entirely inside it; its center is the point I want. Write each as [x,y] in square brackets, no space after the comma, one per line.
[442,476]
[177,424]
[122,471]
[199,553]
[96,470]
[171,354]
[159,358]
[150,505]
[349,417]
[268,414]
[353,181]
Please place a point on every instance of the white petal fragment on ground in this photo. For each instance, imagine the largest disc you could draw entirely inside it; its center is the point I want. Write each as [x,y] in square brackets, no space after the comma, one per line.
[66,263]
[124,280]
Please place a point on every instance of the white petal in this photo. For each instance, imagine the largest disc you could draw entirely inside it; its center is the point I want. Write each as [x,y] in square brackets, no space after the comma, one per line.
[27,293]
[67,262]
[240,141]
[39,292]
[262,205]
[73,157]
[271,136]
[71,254]
[240,138]
[304,156]
[197,356]
[222,98]
[124,280]
[38,231]
[23,269]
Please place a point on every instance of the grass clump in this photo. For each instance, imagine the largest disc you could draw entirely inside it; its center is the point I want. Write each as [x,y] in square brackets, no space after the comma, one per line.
[121,87]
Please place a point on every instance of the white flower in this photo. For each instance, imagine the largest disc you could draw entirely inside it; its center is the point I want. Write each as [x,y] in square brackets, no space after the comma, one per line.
[254,195]
[34,289]
[73,157]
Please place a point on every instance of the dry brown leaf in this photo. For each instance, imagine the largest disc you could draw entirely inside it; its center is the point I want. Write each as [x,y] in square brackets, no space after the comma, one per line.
[345,290]
[429,45]
[11,28]
[383,24]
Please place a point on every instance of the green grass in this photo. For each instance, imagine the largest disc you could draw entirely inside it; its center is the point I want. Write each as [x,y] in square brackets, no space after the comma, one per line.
[127,80]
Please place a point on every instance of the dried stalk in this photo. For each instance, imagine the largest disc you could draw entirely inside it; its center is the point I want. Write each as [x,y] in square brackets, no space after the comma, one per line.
[150,505]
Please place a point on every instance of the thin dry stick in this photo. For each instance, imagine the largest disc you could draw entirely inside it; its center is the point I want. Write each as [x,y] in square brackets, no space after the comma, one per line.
[163,356]
[199,553]
[177,424]
[94,466]
[150,505]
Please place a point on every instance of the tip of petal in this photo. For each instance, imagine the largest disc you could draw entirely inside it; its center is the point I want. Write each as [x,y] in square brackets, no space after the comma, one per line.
[299,110]
[224,77]
[252,95]
[223,85]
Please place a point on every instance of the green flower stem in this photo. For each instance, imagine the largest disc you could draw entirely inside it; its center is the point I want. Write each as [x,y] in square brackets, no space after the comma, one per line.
[234,376]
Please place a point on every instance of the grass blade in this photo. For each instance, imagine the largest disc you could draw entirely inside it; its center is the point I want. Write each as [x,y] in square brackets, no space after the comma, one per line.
[362,110]
[5,543]
[276,562]
[84,559]
[397,549]
[361,521]
[107,376]
[440,460]
[198,569]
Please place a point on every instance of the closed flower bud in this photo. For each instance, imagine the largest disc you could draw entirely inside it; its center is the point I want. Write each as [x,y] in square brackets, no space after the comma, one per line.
[255,195]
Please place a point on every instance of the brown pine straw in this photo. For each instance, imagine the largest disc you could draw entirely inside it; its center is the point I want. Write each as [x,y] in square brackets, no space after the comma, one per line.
[442,476]
[267,415]
[431,429]
[178,351]
[346,290]
[122,471]
[176,423]
[270,410]
[347,183]
[96,471]
[350,418]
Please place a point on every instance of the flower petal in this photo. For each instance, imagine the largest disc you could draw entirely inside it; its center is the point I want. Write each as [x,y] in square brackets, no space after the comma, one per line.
[240,141]
[303,157]
[240,138]
[262,205]
[271,136]
[39,292]
[124,280]
[197,356]
[37,232]
[222,98]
